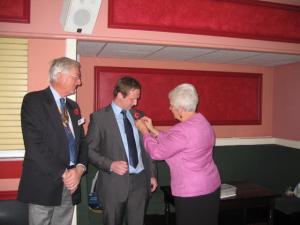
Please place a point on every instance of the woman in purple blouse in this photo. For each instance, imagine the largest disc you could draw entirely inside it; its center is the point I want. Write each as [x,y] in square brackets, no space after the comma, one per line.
[187,148]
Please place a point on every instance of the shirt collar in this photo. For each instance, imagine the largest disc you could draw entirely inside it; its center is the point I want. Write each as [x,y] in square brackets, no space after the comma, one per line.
[55,94]
[117,109]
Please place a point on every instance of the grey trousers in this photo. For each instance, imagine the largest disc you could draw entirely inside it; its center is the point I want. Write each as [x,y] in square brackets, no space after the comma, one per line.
[130,211]
[52,215]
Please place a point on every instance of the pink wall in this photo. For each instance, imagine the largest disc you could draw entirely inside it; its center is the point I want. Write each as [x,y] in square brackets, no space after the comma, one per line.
[286,112]
[47,41]
[286,80]
[41,52]
[86,92]
[45,23]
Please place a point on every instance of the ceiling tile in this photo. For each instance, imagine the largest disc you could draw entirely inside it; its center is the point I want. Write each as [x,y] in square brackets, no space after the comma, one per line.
[89,48]
[224,56]
[179,53]
[128,50]
[269,59]
[163,52]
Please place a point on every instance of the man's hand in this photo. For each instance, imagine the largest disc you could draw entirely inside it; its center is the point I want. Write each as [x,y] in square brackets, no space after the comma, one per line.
[71,178]
[154,184]
[119,167]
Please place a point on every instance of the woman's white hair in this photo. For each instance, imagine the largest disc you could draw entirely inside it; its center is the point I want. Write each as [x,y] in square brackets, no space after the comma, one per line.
[185,96]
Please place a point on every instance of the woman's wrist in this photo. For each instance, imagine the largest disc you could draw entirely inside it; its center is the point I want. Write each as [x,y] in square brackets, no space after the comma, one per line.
[144,132]
[154,132]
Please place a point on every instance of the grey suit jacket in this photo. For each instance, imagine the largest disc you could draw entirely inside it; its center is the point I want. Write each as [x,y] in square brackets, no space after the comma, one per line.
[105,146]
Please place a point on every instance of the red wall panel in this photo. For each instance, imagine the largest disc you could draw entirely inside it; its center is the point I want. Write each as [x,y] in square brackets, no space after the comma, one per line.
[226,98]
[10,169]
[231,18]
[15,11]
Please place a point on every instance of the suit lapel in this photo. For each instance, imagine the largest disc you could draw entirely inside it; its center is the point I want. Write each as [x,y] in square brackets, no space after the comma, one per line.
[113,124]
[55,120]
[53,110]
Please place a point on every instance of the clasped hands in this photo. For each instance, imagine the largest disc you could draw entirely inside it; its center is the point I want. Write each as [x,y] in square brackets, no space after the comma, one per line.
[71,178]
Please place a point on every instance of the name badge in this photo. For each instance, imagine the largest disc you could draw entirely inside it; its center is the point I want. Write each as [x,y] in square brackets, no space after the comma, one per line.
[81,121]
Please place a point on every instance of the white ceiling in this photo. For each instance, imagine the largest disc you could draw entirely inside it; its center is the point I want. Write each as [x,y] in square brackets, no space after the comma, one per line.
[205,55]
[187,54]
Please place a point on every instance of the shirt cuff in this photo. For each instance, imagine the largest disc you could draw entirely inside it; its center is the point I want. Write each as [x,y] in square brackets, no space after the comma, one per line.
[82,166]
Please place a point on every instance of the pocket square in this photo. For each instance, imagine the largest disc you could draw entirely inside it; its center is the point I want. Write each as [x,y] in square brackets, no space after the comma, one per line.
[81,121]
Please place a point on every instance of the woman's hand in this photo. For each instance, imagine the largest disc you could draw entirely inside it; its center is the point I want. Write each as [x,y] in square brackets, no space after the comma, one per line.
[148,122]
[140,124]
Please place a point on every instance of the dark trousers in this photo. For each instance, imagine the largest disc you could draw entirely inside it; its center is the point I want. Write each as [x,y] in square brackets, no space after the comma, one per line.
[198,210]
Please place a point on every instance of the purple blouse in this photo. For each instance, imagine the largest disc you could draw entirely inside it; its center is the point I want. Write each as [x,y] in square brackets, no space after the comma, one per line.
[187,148]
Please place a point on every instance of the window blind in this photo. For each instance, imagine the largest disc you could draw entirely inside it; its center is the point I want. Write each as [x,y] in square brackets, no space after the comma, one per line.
[13,87]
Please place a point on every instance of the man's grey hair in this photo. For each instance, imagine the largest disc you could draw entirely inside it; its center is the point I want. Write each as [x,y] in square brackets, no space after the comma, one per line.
[185,96]
[61,65]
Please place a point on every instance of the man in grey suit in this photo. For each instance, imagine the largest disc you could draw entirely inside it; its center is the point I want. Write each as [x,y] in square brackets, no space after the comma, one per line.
[54,159]
[124,185]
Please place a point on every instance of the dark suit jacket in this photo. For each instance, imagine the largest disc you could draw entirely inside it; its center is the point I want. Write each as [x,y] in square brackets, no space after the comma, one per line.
[46,148]
[105,145]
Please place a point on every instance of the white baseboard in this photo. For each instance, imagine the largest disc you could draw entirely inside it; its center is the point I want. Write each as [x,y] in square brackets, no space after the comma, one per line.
[287,143]
[245,141]
[12,154]
[258,141]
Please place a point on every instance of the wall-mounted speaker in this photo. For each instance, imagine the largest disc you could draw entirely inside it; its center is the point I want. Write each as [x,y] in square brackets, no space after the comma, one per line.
[79,15]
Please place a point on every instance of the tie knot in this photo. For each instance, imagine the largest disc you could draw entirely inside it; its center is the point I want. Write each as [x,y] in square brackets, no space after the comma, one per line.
[62,101]
[123,112]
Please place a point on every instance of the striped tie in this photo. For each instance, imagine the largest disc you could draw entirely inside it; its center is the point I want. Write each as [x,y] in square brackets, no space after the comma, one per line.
[70,137]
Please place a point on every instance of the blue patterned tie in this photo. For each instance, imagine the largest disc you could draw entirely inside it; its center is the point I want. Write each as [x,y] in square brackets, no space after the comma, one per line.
[133,158]
[70,137]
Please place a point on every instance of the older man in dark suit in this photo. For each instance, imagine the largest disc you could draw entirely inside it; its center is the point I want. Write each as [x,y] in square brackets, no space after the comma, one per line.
[127,173]
[56,150]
